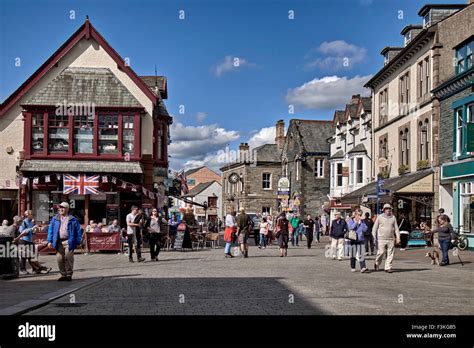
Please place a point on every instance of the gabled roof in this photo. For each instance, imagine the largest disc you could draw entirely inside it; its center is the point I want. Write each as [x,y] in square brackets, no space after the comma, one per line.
[338,117]
[338,154]
[199,188]
[192,171]
[157,84]
[86,31]
[268,153]
[359,149]
[313,134]
[97,86]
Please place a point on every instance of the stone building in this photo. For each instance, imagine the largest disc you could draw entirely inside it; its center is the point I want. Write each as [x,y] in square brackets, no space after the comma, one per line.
[406,116]
[351,150]
[305,162]
[251,181]
[455,95]
[87,116]
[209,192]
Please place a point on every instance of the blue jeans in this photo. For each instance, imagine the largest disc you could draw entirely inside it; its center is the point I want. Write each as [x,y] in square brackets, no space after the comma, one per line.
[444,245]
[317,234]
[295,236]
[263,240]
[227,247]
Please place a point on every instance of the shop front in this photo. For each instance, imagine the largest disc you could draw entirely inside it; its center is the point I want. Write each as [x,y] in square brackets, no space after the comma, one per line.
[411,194]
[460,176]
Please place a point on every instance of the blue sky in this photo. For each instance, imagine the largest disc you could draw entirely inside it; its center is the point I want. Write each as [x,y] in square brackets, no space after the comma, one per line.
[281,61]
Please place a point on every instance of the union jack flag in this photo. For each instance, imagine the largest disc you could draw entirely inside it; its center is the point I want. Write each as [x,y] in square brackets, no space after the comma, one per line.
[81,184]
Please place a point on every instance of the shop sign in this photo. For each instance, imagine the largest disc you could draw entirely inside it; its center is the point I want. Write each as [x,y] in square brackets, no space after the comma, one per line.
[283,186]
[103,241]
[424,185]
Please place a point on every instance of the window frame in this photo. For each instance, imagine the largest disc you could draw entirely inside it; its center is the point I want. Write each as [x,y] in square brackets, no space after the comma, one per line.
[319,168]
[268,181]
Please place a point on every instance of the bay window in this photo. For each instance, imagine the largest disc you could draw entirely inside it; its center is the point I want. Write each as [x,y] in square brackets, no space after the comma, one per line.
[108,134]
[359,170]
[463,57]
[339,175]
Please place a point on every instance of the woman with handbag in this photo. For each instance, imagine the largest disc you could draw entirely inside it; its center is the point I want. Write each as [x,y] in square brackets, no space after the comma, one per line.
[282,230]
[229,232]
[357,227]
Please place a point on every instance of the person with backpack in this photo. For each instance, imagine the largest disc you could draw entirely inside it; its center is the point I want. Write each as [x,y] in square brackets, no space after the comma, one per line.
[368,238]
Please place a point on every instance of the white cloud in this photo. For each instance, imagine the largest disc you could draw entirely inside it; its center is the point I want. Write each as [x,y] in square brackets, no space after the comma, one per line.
[200,116]
[336,55]
[191,144]
[263,136]
[231,63]
[328,92]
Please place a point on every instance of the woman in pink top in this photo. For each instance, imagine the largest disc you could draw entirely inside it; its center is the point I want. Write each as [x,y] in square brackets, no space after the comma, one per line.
[263,233]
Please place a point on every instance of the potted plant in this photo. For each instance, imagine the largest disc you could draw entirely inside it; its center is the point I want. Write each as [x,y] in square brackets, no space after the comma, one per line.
[402,169]
[423,164]
[384,174]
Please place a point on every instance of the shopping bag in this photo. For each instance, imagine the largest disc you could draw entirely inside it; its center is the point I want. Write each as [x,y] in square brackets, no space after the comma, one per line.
[236,251]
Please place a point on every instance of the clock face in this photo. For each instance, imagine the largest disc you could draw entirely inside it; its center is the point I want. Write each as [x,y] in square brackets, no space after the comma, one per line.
[233,178]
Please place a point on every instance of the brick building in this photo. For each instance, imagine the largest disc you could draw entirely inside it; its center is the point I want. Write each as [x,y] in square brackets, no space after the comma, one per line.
[84,114]
[201,175]
[305,162]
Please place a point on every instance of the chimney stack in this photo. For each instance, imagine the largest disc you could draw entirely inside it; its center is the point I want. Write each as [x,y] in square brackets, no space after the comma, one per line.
[280,134]
[355,98]
[244,152]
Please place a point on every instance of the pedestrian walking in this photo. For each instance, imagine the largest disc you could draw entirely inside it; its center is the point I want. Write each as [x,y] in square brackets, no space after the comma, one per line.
[308,225]
[368,237]
[295,224]
[356,224]
[154,231]
[337,231]
[317,228]
[243,230]
[264,227]
[229,232]
[282,230]
[446,236]
[133,232]
[64,235]
[405,229]
[386,234]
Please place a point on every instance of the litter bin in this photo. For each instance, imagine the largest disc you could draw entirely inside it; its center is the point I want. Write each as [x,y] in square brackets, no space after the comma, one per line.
[9,261]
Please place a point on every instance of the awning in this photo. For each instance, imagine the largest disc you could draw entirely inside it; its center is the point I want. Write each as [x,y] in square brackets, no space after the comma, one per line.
[420,182]
[71,166]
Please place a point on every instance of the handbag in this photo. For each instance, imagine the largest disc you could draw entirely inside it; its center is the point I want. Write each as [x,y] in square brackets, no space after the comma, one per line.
[351,235]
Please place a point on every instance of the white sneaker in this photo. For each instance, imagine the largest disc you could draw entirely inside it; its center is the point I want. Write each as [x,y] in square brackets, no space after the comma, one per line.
[24,272]
[353,270]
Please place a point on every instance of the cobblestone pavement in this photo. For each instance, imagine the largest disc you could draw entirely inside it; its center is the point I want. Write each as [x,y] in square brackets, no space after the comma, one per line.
[204,282]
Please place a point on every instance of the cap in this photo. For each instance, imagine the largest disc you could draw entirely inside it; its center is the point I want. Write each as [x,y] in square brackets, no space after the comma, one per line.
[64,205]
[337,213]
[387,206]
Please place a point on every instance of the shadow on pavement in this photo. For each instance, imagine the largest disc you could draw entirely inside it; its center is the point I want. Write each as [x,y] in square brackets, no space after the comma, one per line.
[184,296]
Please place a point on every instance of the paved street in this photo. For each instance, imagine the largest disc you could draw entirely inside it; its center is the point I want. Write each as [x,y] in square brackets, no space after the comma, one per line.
[204,282]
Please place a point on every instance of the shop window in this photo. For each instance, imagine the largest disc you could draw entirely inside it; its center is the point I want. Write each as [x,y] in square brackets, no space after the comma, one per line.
[58,130]
[37,131]
[108,134]
[128,135]
[83,134]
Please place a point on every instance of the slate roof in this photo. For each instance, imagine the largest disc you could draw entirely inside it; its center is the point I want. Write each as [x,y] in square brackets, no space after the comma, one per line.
[199,188]
[359,149]
[314,134]
[97,86]
[339,117]
[192,171]
[61,166]
[156,84]
[339,154]
[352,110]
[367,103]
[268,153]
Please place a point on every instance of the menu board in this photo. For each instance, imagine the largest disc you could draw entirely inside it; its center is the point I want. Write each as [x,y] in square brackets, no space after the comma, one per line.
[178,242]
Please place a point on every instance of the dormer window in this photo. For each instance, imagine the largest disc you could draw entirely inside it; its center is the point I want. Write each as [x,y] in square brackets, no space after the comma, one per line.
[408,38]
[427,20]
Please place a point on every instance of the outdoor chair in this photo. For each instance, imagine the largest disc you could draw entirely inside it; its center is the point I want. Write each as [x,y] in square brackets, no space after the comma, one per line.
[197,240]
[212,239]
